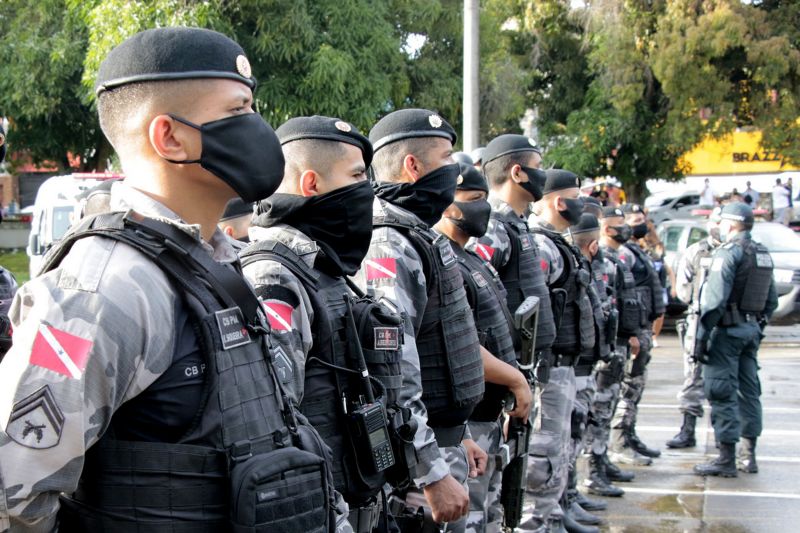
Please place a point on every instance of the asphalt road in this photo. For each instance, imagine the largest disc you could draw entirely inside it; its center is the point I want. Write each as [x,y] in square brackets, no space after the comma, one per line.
[667,497]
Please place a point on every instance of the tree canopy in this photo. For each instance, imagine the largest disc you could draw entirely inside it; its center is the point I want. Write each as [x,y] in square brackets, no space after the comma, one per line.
[622,87]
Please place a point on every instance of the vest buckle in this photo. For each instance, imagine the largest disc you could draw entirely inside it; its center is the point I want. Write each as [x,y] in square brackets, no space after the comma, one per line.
[240,451]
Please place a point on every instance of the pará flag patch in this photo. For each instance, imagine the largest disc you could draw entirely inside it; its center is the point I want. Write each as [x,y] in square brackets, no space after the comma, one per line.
[485,251]
[279,315]
[381,267]
[60,351]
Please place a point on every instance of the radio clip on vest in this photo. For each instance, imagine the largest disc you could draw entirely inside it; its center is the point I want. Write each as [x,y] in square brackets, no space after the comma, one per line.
[368,425]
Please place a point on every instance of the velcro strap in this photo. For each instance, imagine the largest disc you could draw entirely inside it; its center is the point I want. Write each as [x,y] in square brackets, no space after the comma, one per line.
[448,437]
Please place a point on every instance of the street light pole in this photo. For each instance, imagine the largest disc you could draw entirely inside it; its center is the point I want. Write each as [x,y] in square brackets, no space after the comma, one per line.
[470,138]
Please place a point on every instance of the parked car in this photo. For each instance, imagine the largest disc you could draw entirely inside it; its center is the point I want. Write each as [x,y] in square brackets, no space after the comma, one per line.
[783,245]
[672,206]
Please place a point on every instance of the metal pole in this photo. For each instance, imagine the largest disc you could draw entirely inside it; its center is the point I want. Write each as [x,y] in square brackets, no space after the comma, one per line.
[470,138]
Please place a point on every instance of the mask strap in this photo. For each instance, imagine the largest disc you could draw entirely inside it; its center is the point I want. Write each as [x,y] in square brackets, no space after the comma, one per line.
[191,125]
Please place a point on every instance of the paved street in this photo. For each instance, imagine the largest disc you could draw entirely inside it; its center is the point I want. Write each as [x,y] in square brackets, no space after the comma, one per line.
[667,497]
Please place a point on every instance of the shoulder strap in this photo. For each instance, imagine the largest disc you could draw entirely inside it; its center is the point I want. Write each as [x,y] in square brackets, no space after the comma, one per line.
[280,253]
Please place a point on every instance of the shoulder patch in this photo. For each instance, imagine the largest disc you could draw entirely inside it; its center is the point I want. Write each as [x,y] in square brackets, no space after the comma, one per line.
[85,264]
[59,351]
[484,251]
[279,314]
[716,265]
[479,279]
[763,260]
[36,421]
[381,268]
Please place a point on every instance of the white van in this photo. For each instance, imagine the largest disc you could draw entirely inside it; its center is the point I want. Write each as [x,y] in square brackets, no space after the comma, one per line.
[58,205]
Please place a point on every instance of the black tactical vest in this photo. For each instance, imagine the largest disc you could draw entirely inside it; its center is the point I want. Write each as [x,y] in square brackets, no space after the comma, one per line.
[648,287]
[752,279]
[596,293]
[523,276]
[447,341]
[576,322]
[623,285]
[380,334]
[486,297]
[239,465]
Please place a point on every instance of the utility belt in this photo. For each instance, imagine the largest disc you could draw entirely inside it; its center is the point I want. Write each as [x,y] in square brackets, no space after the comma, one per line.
[366,518]
[733,317]
[449,437]
[562,360]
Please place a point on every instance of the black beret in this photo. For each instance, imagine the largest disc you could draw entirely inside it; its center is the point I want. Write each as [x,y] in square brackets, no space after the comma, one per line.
[174,54]
[2,143]
[611,212]
[509,143]
[477,154]
[463,157]
[558,180]
[632,208]
[325,128]
[587,223]
[236,208]
[470,179]
[408,124]
[592,206]
[737,211]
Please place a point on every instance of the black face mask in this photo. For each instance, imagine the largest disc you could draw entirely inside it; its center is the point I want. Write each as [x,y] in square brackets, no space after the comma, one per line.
[476,217]
[339,221]
[639,230]
[535,183]
[574,210]
[427,197]
[598,256]
[243,151]
[623,233]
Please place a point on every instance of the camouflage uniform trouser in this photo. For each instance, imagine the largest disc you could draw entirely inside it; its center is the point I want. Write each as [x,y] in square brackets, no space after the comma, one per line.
[456,458]
[548,461]
[633,383]
[691,396]
[585,388]
[485,511]
[605,401]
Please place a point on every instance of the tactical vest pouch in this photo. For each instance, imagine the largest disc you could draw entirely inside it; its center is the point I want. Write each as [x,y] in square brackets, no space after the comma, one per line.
[630,317]
[285,490]
[645,305]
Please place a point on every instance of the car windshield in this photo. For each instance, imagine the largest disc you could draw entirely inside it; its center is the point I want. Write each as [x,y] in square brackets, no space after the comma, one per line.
[776,237]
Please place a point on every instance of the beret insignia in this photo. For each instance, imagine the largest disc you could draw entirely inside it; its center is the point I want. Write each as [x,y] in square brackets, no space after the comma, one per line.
[343,126]
[243,66]
[435,121]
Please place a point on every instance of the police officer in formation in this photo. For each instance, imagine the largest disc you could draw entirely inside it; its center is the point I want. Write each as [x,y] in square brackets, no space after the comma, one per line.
[622,294]
[736,301]
[307,238]
[692,273]
[416,270]
[626,446]
[139,391]
[567,281]
[468,216]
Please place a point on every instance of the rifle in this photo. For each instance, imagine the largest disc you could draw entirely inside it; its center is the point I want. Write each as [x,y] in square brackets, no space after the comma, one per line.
[693,326]
[514,452]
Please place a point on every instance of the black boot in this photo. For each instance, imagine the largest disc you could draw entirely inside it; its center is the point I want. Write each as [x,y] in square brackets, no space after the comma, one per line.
[640,446]
[746,460]
[572,525]
[581,515]
[723,466]
[589,504]
[685,438]
[615,473]
[597,482]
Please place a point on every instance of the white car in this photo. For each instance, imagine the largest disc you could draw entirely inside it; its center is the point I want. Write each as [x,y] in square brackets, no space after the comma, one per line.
[57,206]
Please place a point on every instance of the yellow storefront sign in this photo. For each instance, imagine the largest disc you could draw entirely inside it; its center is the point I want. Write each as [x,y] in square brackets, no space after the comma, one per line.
[737,153]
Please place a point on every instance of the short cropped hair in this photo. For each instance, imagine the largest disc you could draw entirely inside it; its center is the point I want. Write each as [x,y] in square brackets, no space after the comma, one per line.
[309,154]
[387,164]
[496,171]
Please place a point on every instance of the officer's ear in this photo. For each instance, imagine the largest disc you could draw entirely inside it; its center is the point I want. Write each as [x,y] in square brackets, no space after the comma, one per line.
[412,168]
[309,183]
[514,172]
[173,141]
[228,230]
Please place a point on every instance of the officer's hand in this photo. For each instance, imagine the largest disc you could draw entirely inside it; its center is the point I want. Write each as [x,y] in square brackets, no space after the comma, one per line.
[447,499]
[523,398]
[700,350]
[635,346]
[476,457]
